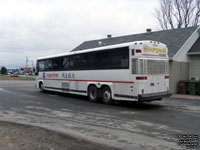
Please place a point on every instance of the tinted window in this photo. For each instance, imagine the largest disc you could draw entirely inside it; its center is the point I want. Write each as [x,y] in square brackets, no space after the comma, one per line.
[77,62]
[71,63]
[102,60]
[56,63]
[87,60]
[65,63]
[133,52]
[41,65]
[119,58]
[48,64]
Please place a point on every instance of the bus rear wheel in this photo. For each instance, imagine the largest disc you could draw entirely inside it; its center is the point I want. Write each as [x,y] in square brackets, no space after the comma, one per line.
[93,94]
[107,96]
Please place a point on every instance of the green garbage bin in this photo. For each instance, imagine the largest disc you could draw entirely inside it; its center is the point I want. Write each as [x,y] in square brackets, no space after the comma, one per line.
[198,88]
[192,87]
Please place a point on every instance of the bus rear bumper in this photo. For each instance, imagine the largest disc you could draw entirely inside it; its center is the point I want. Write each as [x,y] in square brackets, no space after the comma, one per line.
[153,96]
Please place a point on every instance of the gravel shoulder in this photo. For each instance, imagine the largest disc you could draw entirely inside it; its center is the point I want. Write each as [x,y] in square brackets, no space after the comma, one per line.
[23,137]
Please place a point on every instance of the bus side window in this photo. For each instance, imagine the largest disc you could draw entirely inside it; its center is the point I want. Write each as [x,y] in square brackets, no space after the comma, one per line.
[77,62]
[71,62]
[88,61]
[65,63]
[102,60]
[48,64]
[83,61]
[56,63]
[133,52]
[41,65]
[119,58]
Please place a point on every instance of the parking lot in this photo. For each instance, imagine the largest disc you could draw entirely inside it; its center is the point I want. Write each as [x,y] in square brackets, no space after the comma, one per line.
[127,125]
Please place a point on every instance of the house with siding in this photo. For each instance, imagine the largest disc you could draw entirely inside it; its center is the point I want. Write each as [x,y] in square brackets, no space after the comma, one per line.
[183,45]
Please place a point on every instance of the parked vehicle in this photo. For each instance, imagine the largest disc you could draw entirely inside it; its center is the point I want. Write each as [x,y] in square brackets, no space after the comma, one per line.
[135,71]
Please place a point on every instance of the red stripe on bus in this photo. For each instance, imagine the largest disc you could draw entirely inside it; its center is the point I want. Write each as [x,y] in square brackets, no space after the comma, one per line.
[89,80]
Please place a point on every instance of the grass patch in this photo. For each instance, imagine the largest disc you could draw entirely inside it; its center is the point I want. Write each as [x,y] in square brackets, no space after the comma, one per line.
[7,77]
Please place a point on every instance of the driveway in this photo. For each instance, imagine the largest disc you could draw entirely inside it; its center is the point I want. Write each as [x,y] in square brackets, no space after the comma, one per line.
[127,125]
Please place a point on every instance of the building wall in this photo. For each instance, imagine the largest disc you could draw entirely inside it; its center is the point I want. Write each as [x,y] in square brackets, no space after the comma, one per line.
[195,67]
[177,71]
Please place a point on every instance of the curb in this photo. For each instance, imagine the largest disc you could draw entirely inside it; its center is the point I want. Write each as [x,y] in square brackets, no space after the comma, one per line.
[193,97]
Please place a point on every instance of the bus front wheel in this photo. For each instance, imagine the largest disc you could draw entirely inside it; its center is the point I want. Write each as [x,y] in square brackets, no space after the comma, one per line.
[93,94]
[107,96]
[41,87]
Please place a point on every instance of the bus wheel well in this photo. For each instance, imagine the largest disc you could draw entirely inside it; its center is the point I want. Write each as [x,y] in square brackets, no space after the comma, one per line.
[41,86]
[40,83]
[103,86]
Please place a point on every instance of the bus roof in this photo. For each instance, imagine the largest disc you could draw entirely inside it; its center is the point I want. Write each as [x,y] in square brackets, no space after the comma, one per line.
[99,48]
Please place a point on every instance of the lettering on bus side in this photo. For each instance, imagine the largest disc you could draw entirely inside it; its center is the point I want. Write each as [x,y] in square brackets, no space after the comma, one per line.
[68,75]
[43,74]
[52,75]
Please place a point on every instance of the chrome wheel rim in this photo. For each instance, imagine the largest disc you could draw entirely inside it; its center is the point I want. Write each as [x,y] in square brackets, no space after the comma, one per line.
[93,94]
[107,95]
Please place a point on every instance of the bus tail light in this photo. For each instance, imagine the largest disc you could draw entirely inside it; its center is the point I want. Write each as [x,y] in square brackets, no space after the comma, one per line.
[141,78]
[138,51]
[166,77]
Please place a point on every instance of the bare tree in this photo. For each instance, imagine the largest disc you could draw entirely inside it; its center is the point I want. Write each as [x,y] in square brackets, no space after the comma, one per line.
[173,14]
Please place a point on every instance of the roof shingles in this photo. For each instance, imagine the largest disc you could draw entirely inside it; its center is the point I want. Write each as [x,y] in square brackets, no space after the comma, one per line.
[173,38]
[195,48]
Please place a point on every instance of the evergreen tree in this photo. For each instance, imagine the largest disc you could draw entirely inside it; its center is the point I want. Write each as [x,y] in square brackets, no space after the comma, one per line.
[3,70]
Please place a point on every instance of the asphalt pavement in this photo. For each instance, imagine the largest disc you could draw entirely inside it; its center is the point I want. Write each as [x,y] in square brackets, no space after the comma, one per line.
[125,125]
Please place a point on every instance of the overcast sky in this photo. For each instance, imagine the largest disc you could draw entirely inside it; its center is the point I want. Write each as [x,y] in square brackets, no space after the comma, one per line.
[36,28]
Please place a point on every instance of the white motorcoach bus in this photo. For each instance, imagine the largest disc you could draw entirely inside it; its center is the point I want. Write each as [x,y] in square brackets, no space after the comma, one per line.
[134,71]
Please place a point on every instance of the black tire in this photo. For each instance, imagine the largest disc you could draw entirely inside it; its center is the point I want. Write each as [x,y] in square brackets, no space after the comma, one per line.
[106,96]
[41,87]
[93,94]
